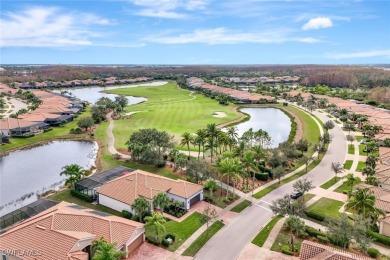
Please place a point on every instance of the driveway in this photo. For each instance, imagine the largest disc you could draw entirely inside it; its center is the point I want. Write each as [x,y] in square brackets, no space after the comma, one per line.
[230,241]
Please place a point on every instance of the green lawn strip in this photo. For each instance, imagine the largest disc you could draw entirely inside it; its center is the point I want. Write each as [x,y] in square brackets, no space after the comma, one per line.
[308,196]
[328,208]
[262,236]
[182,230]
[169,109]
[348,164]
[194,248]
[65,195]
[270,188]
[330,183]
[360,166]
[359,138]
[57,133]
[361,149]
[284,238]
[241,206]
[351,149]
[344,188]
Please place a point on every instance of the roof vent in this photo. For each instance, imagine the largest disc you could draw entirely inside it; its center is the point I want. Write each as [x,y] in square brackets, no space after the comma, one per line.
[40,227]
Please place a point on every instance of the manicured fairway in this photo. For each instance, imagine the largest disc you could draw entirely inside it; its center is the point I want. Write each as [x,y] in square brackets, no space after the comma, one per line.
[169,109]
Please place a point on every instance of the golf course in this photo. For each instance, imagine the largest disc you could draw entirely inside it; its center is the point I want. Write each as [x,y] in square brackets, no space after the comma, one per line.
[170,109]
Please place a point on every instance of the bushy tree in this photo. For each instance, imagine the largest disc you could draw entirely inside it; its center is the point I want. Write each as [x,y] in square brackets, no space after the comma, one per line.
[122,101]
[198,170]
[303,145]
[329,125]
[278,173]
[286,206]
[295,226]
[209,215]
[303,185]
[211,185]
[140,205]
[104,250]
[85,122]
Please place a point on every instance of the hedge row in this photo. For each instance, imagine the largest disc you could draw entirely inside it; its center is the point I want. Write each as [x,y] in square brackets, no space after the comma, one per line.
[379,238]
[315,215]
[77,194]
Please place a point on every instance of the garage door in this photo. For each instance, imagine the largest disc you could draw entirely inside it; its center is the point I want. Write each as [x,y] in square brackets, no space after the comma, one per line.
[136,243]
[194,200]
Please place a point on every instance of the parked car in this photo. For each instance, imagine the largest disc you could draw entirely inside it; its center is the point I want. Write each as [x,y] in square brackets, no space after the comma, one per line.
[363,141]
[296,194]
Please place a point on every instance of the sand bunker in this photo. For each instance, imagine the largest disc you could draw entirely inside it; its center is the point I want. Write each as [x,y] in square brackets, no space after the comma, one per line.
[219,114]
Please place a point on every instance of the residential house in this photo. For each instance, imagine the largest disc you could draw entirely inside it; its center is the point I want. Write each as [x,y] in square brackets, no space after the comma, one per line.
[314,251]
[67,231]
[120,193]
[18,127]
[48,118]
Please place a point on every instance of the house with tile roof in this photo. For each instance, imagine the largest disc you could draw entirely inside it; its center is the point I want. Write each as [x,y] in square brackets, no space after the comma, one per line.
[18,127]
[120,193]
[66,231]
[314,251]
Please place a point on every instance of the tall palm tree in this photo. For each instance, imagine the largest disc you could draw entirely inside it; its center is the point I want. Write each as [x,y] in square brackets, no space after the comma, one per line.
[157,221]
[229,168]
[240,149]
[371,161]
[104,250]
[201,136]
[186,139]
[212,132]
[161,200]
[337,168]
[74,172]
[351,180]
[248,162]
[232,132]
[362,202]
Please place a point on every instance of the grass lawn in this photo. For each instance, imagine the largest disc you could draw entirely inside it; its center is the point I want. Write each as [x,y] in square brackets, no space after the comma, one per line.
[330,183]
[241,206]
[359,138]
[361,149]
[351,149]
[343,187]
[326,207]
[107,160]
[360,166]
[182,230]
[348,164]
[168,109]
[308,196]
[194,248]
[56,133]
[284,238]
[65,195]
[260,239]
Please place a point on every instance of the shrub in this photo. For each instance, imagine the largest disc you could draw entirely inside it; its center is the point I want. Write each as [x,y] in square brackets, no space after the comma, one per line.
[286,250]
[171,236]
[160,163]
[153,241]
[165,242]
[379,238]
[314,215]
[135,218]
[323,239]
[145,214]
[77,194]
[314,232]
[261,176]
[127,214]
[165,156]
[179,215]
[373,252]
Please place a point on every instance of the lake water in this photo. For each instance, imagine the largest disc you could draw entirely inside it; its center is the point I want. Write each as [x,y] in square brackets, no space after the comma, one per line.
[93,94]
[26,173]
[272,120]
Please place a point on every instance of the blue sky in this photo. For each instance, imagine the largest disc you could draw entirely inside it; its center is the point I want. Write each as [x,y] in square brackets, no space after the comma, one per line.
[194,32]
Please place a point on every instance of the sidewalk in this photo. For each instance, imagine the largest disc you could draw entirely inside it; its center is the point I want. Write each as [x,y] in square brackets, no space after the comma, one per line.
[273,234]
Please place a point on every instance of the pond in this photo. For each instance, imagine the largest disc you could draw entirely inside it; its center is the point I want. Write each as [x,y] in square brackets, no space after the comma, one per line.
[93,94]
[25,174]
[272,120]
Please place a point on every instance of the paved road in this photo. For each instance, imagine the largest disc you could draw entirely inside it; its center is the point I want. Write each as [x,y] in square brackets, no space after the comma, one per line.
[228,243]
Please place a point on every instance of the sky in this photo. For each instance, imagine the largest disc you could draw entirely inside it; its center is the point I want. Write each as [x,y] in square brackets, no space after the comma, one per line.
[195,32]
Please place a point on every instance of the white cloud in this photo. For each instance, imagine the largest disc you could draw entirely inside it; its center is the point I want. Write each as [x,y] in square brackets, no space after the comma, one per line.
[223,36]
[364,54]
[171,9]
[50,27]
[318,23]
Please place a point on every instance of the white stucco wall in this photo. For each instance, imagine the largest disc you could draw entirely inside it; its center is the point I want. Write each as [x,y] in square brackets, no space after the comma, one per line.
[114,204]
[5,132]
[177,198]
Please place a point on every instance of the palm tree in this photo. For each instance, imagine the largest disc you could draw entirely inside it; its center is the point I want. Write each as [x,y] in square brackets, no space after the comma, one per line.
[161,200]
[157,221]
[248,162]
[74,172]
[201,136]
[186,139]
[368,170]
[140,205]
[240,149]
[105,251]
[371,161]
[232,132]
[296,226]
[351,180]
[337,168]
[229,167]
[212,132]
[362,202]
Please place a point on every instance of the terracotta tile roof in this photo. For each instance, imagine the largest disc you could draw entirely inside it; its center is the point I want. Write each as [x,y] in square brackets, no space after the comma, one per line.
[140,183]
[382,196]
[38,116]
[315,251]
[56,231]
[12,123]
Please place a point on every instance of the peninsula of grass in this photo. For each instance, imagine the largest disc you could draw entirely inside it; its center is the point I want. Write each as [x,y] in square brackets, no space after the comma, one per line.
[241,206]
[194,248]
[328,208]
[182,230]
[57,133]
[170,109]
[344,188]
[351,149]
[330,183]
[262,236]
[348,164]
[360,166]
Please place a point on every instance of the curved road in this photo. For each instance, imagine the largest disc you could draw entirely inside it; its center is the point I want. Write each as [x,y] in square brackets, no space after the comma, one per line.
[228,243]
